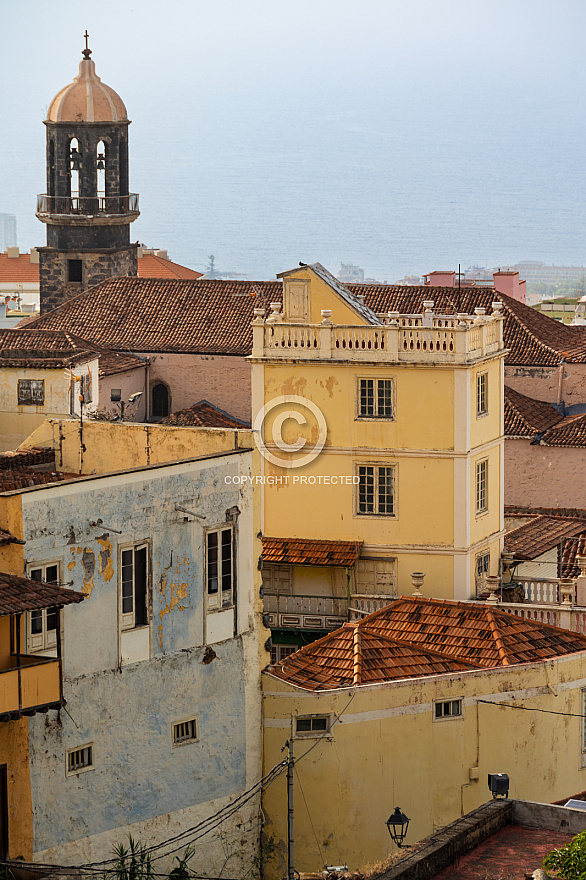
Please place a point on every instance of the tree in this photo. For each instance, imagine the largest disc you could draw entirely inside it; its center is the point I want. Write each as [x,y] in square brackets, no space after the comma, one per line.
[568,862]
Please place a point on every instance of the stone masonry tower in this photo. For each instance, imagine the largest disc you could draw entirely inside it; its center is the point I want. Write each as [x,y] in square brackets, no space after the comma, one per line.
[87,207]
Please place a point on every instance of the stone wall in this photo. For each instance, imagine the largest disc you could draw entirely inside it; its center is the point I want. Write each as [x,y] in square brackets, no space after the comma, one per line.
[542,383]
[55,289]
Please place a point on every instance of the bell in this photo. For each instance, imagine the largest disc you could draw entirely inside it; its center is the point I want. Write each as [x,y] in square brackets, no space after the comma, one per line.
[75,160]
[101,162]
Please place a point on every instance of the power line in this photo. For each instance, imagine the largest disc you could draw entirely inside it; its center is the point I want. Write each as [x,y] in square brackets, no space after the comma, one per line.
[531,709]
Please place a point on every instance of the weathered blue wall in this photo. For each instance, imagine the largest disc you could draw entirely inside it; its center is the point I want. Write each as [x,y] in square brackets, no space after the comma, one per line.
[128,711]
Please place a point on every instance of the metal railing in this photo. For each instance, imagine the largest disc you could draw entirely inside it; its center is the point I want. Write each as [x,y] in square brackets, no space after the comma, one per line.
[87,205]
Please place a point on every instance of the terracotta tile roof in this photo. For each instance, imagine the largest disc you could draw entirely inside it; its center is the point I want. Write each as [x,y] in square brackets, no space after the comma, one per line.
[213,317]
[570,431]
[144,315]
[18,270]
[540,534]
[53,349]
[419,636]
[532,337]
[301,551]
[566,512]
[571,548]
[526,417]
[19,458]
[25,478]
[204,415]
[152,266]
[23,594]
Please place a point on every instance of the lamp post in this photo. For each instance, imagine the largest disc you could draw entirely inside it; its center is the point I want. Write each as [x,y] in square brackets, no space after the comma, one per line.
[397,824]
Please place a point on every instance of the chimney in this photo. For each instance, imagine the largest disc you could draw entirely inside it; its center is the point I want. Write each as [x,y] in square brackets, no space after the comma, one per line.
[13,252]
[440,279]
[507,282]
[162,254]
[34,256]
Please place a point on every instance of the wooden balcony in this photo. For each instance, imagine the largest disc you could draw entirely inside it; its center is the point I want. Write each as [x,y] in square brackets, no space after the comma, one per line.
[319,612]
[33,686]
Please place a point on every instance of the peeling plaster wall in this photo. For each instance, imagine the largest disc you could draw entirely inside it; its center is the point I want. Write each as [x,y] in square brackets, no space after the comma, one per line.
[544,476]
[141,783]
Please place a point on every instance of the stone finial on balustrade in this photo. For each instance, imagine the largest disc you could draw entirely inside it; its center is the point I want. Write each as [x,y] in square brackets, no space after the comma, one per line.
[360,297]
[507,559]
[417,578]
[259,315]
[496,307]
[428,305]
[326,316]
[275,317]
[394,318]
[463,319]
[566,591]
[493,582]
[581,581]
[480,312]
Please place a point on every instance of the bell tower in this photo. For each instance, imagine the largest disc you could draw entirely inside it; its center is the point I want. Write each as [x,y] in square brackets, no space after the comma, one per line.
[88,208]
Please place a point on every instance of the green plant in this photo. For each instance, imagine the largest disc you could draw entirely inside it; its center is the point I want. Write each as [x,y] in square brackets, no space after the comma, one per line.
[568,862]
[133,863]
[181,872]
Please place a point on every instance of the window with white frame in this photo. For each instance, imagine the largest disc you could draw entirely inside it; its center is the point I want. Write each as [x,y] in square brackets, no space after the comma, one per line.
[134,579]
[482,486]
[375,399]
[41,624]
[280,652]
[481,394]
[79,759]
[220,568]
[31,392]
[375,493]
[311,725]
[447,709]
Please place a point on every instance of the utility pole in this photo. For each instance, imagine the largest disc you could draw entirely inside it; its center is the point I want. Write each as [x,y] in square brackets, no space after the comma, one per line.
[290,860]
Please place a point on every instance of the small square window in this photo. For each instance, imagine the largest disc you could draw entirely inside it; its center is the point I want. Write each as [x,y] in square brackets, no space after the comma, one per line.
[312,725]
[80,759]
[185,732]
[31,392]
[481,394]
[448,709]
[74,271]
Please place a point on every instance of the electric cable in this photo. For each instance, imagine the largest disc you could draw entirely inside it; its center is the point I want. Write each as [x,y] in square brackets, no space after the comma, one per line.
[531,709]
[309,816]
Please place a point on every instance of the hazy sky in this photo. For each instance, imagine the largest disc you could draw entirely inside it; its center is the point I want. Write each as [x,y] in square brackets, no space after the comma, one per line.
[207,81]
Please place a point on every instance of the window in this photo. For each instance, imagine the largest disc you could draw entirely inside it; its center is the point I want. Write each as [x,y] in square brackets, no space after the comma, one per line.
[277,579]
[448,709]
[279,652]
[185,732]
[482,569]
[86,388]
[134,586]
[376,490]
[376,577]
[80,759]
[219,568]
[41,624]
[481,486]
[481,394]
[375,398]
[31,392]
[74,271]
[311,725]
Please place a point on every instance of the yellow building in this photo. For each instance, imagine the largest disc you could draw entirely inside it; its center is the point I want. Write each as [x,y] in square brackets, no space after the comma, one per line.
[413,707]
[408,410]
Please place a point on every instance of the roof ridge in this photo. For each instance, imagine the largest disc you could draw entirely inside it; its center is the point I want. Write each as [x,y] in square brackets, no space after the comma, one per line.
[357,655]
[442,655]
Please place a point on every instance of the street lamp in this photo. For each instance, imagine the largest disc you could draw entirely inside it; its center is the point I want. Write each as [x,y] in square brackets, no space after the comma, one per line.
[398,823]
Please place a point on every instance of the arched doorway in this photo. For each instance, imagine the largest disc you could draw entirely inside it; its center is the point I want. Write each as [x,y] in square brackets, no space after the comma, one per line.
[160,401]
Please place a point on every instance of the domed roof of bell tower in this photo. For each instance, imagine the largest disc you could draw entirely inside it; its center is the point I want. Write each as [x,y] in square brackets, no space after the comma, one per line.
[87,98]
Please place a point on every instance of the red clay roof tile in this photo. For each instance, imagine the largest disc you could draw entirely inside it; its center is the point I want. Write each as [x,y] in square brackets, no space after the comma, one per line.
[204,415]
[540,534]
[301,551]
[418,636]
[19,594]
[526,417]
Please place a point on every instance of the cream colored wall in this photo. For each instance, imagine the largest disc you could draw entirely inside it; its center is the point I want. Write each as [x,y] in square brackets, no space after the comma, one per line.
[18,422]
[486,428]
[14,752]
[423,766]
[322,297]
[114,446]
[485,524]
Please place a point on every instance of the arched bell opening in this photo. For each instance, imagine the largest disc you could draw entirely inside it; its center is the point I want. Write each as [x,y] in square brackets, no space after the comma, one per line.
[101,160]
[75,165]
